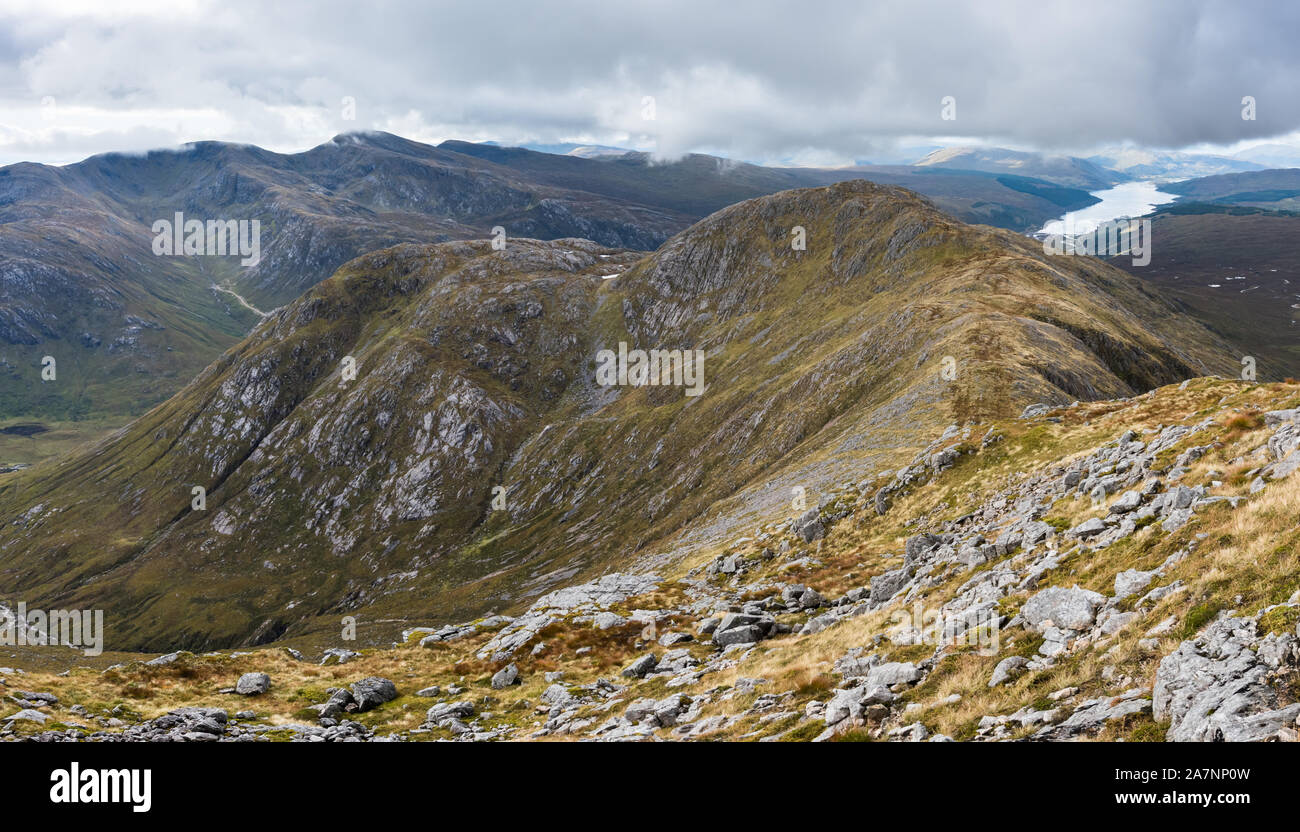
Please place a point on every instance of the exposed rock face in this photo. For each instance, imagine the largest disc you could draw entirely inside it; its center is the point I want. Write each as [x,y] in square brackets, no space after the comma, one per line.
[589,597]
[1216,687]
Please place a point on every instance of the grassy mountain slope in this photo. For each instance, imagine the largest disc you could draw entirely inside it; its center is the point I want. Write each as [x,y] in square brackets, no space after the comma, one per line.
[1237,270]
[80,283]
[1278,189]
[79,280]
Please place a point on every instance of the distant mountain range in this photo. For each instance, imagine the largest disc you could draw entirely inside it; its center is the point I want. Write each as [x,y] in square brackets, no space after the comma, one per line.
[1063,170]
[81,284]
[1168,166]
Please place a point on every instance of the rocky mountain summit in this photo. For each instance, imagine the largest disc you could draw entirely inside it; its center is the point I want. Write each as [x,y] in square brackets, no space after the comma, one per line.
[424,433]
[1120,569]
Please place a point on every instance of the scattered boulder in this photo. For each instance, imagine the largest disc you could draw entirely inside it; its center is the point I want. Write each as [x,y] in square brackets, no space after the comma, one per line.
[338,655]
[372,692]
[1007,669]
[887,584]
[1088,528]
[743,628]
[670,639]
[808,526]
[608,620]
[253,684]
[1132,580]
[505,677]
[449,711]
[641,666]
[1128,501]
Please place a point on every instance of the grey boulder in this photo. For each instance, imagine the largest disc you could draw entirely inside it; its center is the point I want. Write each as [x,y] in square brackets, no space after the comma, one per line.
[505,677]
[372,692]
[1070,609]
[253,684]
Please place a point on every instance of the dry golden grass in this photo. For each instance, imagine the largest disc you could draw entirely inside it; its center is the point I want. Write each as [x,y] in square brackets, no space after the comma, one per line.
[1246,560]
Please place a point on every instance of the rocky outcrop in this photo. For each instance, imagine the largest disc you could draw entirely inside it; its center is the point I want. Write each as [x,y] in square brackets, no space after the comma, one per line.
[1223,685]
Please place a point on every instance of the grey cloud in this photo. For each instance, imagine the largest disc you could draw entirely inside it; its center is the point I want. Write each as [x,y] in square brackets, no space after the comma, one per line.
[758,80]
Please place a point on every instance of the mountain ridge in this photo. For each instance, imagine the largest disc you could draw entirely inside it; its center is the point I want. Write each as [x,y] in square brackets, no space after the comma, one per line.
[128,327]
[375,493]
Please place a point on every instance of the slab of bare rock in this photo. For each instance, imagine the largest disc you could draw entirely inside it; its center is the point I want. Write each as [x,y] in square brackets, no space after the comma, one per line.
[447,711]
[40,699]
[1092,715]
[893,673]
[1130,581]
[1088,528]
[669,639]
[27,715]
[1223,685]
[1069,609]
[607,590]
[1273,418]
[1111,621]
[1285,467]
[1176,519]
[608,620]
[1036,531]
[887,584]
[1128,501]
[556,694]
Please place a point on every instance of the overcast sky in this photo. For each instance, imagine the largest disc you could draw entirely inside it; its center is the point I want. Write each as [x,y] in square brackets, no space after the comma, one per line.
[808,82]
